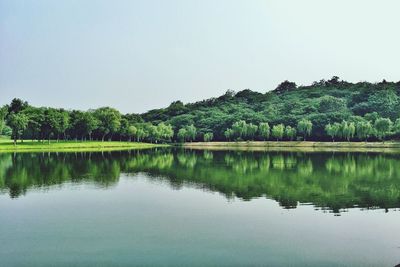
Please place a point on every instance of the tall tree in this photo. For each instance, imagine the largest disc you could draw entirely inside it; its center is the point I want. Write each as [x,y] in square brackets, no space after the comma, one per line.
[17,105]
[109,121]
[239,129]
[382,127]
[191,132]
[229,134]
[290,132]
[208,137]
[132,130]
[304,127]
[364,130]
[182,134]
[278,131]
[251,131]
[3,113]
[264,130]
[18,123]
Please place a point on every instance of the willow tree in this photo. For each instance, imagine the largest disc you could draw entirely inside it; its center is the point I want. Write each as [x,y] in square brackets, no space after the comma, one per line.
[278,131]
[264,130]
[290,132]
[364,130]
[207,137]
[305,127]
[382,127]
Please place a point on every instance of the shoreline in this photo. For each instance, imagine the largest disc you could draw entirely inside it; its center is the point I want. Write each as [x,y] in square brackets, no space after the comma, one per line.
[72,146]
[307,146]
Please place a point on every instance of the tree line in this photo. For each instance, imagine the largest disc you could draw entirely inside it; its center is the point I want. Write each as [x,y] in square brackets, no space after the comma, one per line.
[324,102]
[22,121]
[327,110]
[359,129]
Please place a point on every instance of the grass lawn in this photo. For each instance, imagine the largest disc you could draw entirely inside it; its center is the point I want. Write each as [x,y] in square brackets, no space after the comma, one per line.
[6,145]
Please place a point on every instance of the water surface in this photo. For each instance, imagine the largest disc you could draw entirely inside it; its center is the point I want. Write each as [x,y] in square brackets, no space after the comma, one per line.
[178,207]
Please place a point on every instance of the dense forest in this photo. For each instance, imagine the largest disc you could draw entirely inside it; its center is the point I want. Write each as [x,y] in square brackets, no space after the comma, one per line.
[327,110]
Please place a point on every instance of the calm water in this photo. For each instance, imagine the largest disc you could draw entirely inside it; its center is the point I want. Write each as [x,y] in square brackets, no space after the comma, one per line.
[199,208]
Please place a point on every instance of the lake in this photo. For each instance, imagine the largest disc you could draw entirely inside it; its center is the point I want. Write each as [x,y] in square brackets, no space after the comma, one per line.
[172,207]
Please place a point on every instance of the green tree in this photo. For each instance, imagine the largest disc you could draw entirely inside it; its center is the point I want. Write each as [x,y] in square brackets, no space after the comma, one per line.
[165,131]
[364,130]
[3,114]
[331,130]
[382,127]
[58,121]
[331,104]
[290,132]
[239,129]
[141,132]
[124,129]
[351,131]
[304,127]
[229,134]
[251,131]
[264,130]
[109,121]
[36,117]
[82,124]
[396,126]
[278,131]
[17,105]
[191,132]
[154,134]
[18,123]
[182,134]
[208,137]
[132,130]
[372,117]
[347,130]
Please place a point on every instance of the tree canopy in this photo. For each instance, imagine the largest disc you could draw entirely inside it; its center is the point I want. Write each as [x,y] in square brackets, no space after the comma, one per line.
[326,110]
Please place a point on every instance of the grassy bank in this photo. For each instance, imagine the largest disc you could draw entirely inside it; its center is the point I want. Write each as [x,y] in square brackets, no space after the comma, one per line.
[297,146]
[8,146]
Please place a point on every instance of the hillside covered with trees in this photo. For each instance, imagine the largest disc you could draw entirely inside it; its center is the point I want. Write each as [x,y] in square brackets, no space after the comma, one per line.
[327,110]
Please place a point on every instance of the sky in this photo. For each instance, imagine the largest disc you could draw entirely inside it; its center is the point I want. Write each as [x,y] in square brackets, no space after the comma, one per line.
[140,55]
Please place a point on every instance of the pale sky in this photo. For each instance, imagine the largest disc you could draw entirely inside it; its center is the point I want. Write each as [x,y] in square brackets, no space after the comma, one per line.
[140,55]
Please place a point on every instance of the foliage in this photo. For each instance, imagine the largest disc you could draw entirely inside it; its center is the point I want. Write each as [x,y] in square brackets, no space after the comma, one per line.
[18,123]
[290,132]
[304,127]
[264,130]
[383,127]
[208,137]
[278,131]
[317,112]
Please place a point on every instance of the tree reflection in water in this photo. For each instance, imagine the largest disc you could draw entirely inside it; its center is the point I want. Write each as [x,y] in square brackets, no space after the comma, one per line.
[329,181]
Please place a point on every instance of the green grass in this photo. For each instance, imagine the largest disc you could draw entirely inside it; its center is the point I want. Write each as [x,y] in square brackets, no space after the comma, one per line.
[6,145]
